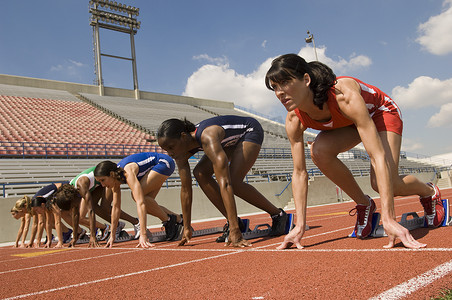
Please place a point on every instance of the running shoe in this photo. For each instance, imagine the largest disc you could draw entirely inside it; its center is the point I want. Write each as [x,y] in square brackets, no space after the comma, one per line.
[279,223]
[433,207]
[136,227]
[363,226]
[105,233]
[222,238]
[67,236]
[171,227]
[120,228]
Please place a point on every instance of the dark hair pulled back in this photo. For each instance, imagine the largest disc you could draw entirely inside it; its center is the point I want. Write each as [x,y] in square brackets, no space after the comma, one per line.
[290,66]
[106,167]
[173,128]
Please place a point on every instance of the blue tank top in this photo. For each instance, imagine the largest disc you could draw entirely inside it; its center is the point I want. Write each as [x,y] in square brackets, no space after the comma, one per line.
[235,127]
[145,161]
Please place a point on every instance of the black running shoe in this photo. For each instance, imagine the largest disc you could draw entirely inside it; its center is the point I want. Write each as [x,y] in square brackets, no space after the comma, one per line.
[279,223]
[222,238]
[171,227]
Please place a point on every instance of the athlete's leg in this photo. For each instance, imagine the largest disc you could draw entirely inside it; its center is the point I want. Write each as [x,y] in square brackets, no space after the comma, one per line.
[324,151]
[151,184]
[104,209]
[403,185]
[243,158]
[84,220]
[203,173]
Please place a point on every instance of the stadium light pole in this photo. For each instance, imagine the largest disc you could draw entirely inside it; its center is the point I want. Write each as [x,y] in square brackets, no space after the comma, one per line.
[310,39]
[118,17]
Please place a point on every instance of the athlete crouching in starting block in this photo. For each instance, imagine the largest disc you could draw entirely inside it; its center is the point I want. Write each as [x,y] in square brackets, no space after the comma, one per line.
[347,111]
[231,145]
[144,173]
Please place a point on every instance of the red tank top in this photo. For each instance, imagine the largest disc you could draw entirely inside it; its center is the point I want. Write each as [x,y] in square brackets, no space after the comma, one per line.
[374,98]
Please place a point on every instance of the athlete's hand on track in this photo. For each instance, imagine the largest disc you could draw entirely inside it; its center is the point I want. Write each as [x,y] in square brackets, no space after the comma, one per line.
[93,243]
[394,230]
[60,245]
[235,239]
[292,238]
[186,236]
[143,242]
[110,242]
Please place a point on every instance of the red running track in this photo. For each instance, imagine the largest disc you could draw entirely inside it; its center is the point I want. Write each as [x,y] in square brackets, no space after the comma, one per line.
[331,266]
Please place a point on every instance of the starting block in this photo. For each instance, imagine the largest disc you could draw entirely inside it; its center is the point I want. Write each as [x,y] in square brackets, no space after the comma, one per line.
[123,236]
[262,230]
[161,236]
[409,223]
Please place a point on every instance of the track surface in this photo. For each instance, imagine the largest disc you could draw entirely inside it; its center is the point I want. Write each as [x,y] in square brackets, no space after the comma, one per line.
[331,266]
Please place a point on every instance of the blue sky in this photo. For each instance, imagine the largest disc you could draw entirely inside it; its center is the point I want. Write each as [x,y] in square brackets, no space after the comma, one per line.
[222,49]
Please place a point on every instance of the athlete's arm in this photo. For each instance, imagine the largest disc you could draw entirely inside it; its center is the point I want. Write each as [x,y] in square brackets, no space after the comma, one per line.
[115,212]
[57,216]
[186,196]
[83,188]
[131,171]
[20,232]
[34,230]
[27,218]
[295,131]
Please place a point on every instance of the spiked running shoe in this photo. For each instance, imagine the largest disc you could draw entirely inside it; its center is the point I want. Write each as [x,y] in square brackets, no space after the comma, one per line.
[136,228]
[363,226]
[171,227]
[433,207]
[279,223]
[67,236]
[120,227]
[105,233]
[222,238]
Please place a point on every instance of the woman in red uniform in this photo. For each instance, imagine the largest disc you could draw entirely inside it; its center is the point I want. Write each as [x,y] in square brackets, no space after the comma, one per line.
[347,111]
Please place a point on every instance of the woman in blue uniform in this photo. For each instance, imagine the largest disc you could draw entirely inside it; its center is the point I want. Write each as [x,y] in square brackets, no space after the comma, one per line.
[144,173]
[231,145]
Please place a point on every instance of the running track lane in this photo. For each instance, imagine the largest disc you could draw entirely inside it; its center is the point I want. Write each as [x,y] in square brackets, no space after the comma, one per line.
[331,266]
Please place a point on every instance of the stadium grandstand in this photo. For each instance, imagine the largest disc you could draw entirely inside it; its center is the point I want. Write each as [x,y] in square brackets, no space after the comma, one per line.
[51,131]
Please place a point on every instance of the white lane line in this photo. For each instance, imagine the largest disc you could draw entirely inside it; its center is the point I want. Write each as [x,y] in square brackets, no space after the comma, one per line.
[408,287]
[66,262]
[121,276]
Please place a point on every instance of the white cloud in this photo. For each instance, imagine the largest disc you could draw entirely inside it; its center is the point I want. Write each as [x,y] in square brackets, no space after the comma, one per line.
[70,67]
[340,66]
[410,145]
[422,92]
[213,60]
[436,33]
[264,44]
[442,118]
[217,80]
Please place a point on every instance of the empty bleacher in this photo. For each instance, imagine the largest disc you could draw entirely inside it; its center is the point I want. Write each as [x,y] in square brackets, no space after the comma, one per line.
[45,126]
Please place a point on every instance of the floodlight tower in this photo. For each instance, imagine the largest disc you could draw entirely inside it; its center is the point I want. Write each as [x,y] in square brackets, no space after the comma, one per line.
[118,17]
[310,39]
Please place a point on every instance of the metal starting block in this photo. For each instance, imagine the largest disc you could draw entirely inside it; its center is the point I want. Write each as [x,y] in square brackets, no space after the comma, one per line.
[413,223]
[123,236]
[161,236]
[262,230]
